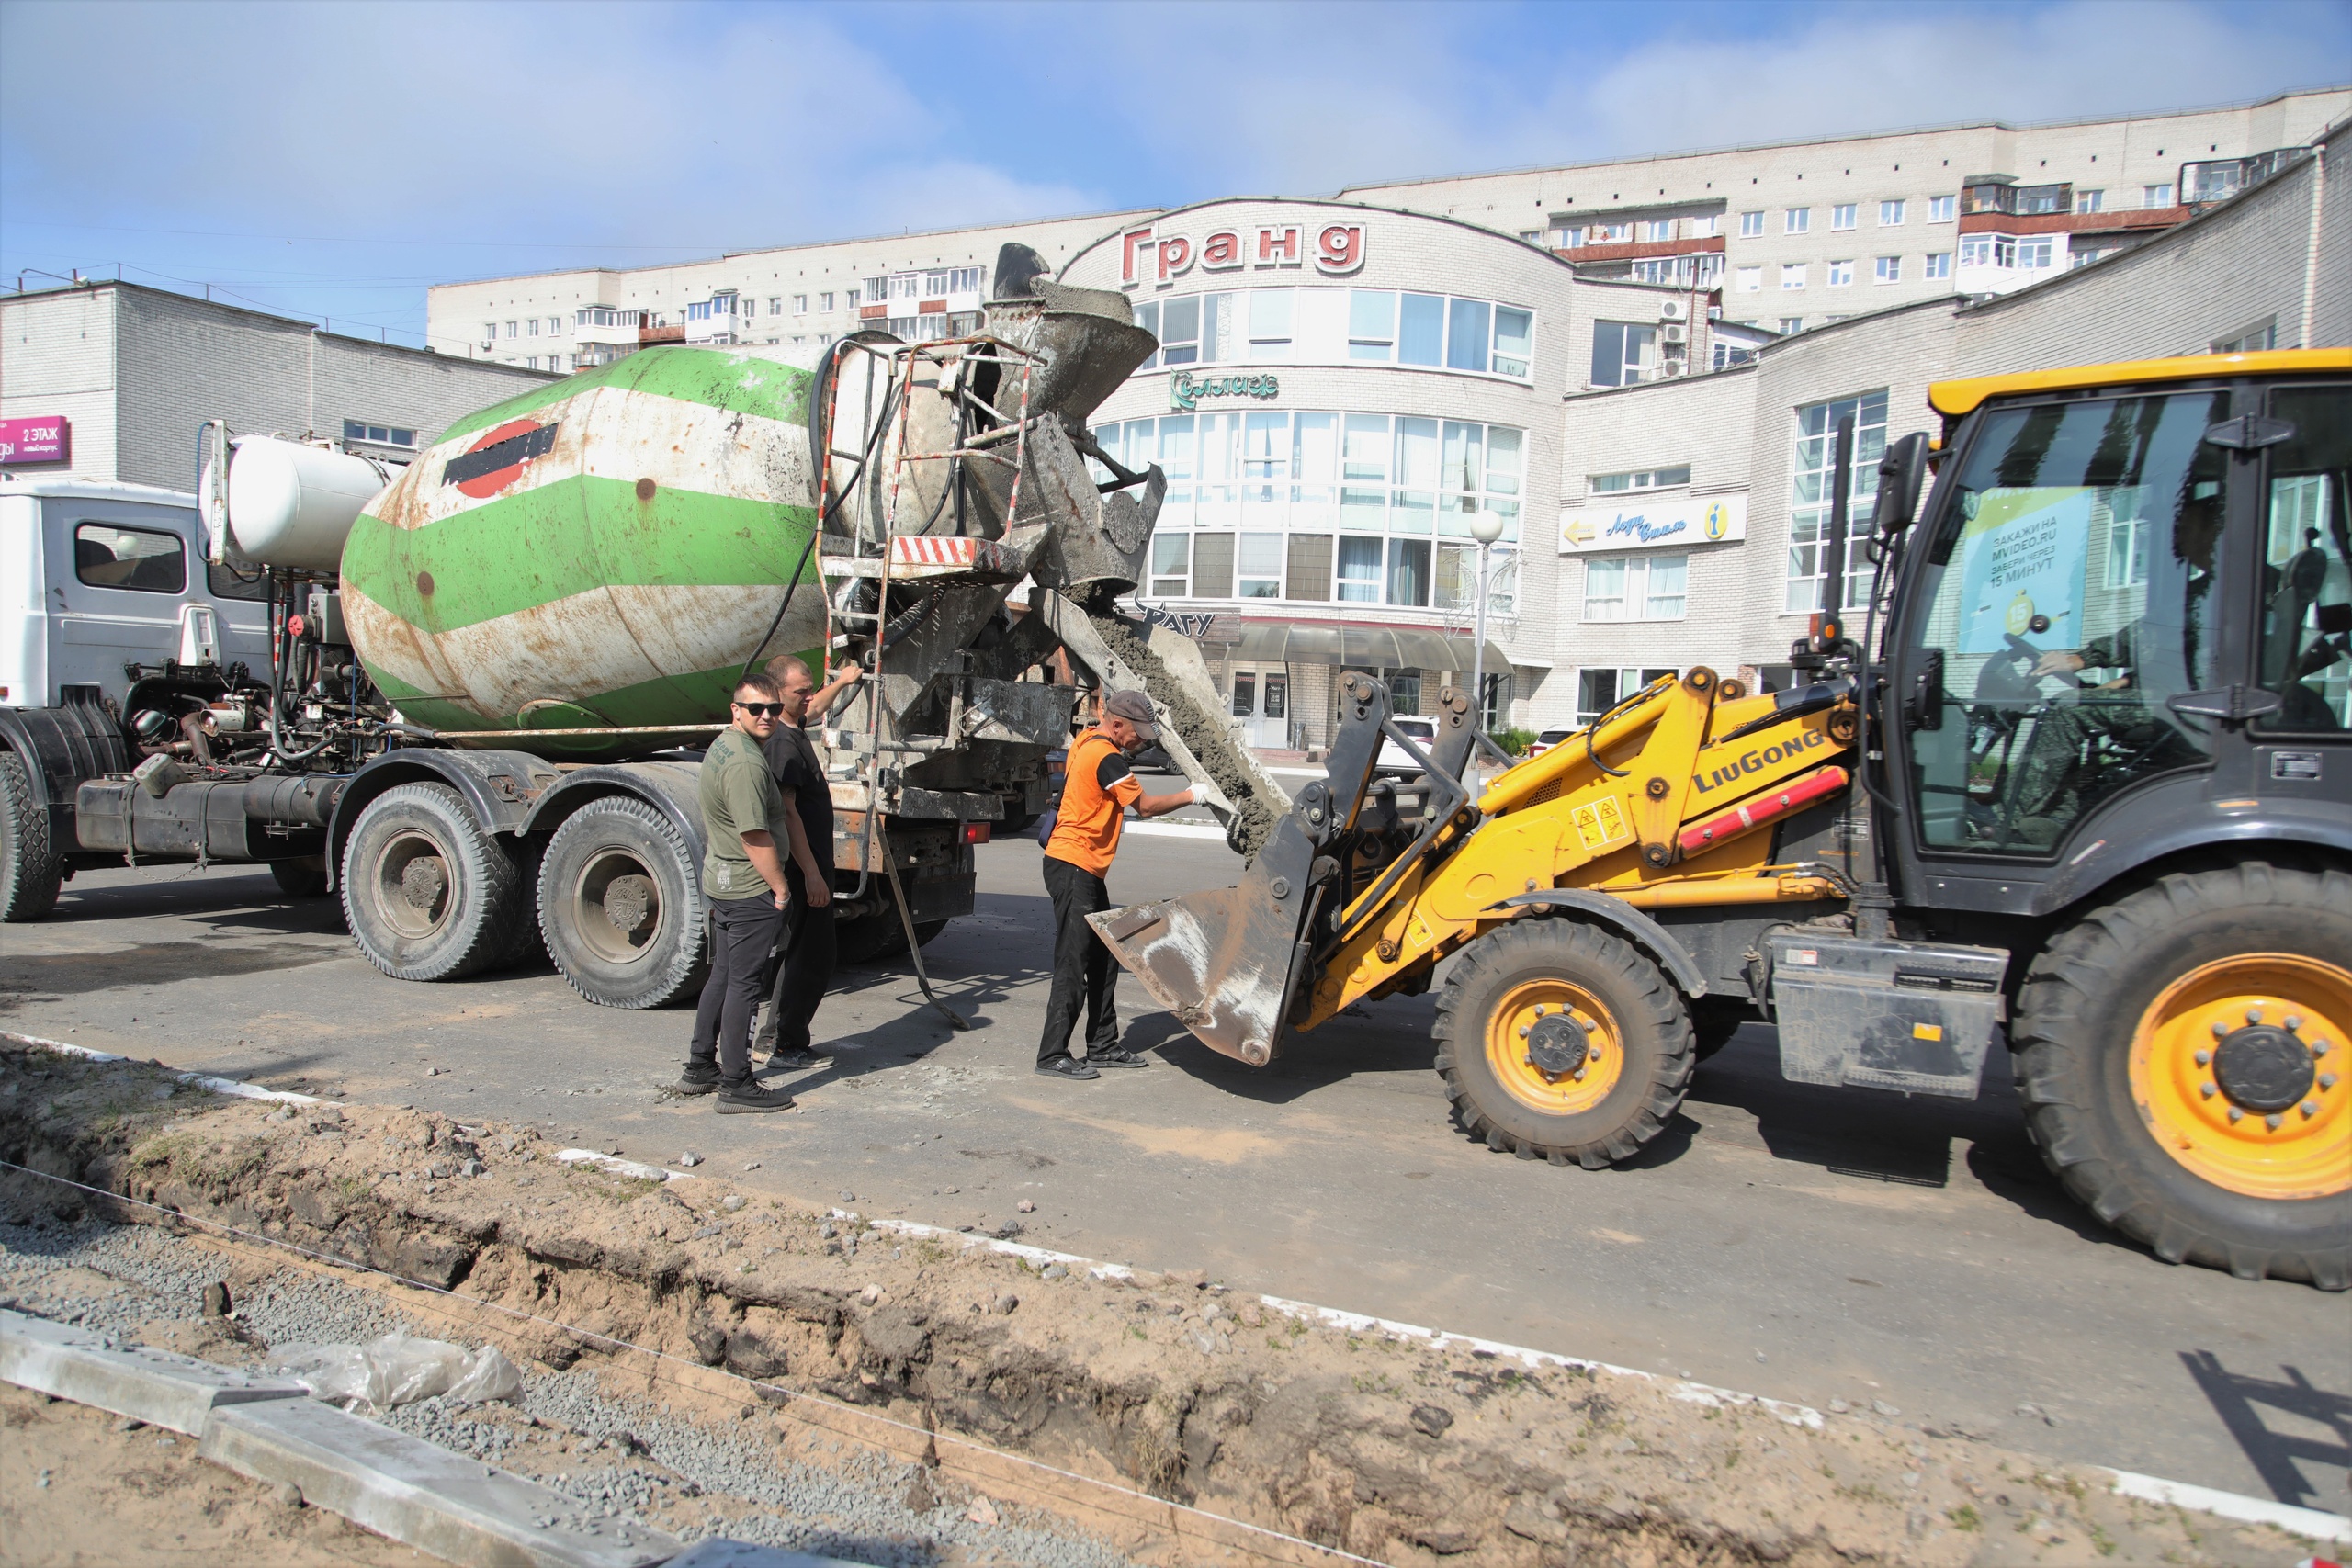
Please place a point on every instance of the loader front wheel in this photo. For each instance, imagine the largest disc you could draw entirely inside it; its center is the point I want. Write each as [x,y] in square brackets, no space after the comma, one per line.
[1559,1040]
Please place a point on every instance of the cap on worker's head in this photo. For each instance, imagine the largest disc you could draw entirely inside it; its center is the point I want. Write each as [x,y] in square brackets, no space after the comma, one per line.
[1135,708]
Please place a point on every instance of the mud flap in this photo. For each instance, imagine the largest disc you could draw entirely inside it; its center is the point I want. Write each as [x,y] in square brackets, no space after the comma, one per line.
[1226,961]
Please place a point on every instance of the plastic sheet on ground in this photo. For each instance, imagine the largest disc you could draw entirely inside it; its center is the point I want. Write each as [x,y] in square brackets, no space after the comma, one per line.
[397,1369]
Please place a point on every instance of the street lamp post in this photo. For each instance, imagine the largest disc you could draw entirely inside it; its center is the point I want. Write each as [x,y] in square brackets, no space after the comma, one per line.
[1485,527]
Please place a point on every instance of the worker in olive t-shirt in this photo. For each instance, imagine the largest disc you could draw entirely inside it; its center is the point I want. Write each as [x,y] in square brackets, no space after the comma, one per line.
[1097,788]
[742,879]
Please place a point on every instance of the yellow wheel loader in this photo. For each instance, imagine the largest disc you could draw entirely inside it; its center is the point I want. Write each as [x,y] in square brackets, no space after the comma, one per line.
[2085,773]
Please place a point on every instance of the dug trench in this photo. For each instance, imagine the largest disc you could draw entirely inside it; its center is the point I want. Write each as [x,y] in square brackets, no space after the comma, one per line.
[951,1353]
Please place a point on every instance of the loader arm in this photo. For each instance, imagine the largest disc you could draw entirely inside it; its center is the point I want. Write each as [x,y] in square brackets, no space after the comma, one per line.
[1666,802]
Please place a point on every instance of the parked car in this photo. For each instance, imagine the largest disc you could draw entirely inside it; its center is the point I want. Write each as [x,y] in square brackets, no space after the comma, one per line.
[1394,758]
[1546,740]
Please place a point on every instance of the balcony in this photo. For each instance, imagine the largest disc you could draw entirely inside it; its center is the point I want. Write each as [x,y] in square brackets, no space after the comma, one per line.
[2218,179]
[2001,194]
[603,324]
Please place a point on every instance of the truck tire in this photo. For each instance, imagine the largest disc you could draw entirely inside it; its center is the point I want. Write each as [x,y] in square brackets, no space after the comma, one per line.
[621,905]
[32,866]
[304,878]
[427,894]
[526,944]
[1614,1040]
[2166,1047]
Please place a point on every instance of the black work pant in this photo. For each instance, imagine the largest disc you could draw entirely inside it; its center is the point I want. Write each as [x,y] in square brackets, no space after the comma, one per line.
[1084,970]
[803,971]
[742,932]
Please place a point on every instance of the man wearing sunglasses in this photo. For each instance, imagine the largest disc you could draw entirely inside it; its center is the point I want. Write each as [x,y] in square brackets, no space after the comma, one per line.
[744,819]
[805,967]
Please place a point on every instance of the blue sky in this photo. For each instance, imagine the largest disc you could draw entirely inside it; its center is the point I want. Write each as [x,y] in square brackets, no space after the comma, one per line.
[333,160]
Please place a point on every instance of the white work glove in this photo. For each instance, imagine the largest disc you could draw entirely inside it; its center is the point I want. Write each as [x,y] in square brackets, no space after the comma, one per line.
[1208,794]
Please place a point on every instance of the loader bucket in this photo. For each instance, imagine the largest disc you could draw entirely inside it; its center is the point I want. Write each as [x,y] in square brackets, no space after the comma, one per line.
[1225,961]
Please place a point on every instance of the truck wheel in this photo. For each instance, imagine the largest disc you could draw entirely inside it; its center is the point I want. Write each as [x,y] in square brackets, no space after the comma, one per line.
[31,866]
[525,943]
[304,878]
[2180,1054]
[427,894]
[1561,1042]
[621,905]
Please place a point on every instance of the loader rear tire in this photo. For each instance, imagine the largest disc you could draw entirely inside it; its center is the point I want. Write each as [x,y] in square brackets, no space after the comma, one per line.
[32,867]
[2179,1054]
[427,894]
[1614,1039]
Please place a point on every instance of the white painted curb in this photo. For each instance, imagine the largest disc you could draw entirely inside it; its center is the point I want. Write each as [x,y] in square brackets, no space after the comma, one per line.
[2310,1523]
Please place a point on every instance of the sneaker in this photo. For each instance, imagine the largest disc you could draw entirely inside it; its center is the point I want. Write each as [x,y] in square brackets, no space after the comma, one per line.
[745,1098]
[792,1061]
[696,1079]
[1114,1056]
[1067,1067]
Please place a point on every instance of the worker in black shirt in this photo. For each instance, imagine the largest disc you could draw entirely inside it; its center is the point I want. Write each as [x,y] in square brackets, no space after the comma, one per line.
[805,962]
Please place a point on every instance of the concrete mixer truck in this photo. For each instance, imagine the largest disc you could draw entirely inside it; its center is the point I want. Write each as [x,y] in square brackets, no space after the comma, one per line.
[468,695]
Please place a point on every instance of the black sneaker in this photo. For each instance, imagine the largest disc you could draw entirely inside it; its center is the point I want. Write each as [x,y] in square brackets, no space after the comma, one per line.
[748,1097]
[1067,1067]
[1114,1056]
[793,1061]
[696,1079]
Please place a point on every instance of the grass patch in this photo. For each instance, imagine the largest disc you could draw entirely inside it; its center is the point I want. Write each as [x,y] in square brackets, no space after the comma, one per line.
[1965,1517]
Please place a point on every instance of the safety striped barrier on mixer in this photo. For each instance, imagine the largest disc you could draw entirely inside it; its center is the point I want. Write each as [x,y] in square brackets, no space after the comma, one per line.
[972,555]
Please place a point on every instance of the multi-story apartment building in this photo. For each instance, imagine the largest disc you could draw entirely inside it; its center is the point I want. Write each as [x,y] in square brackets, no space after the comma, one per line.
[918,287]
[1802,233]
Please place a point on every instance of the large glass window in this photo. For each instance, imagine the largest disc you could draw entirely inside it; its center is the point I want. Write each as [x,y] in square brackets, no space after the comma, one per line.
[1811,488]
[1360,570]
[1623,352]
[1466,341]
[2306,611]
[1514,342]
[1421,334]
[1314,326]
[2040,669]
[1372,324]
[1260,567]
[1635,588]
[1598,690]
[143,560]
[1270,323]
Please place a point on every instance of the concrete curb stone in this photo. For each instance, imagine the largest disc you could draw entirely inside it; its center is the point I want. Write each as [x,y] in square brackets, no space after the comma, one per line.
[177,1393]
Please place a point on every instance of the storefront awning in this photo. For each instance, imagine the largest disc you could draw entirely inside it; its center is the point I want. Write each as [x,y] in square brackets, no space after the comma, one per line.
[1348,646]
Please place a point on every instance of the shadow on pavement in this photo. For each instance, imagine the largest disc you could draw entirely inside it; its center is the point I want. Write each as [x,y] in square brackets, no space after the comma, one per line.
[2280,1457]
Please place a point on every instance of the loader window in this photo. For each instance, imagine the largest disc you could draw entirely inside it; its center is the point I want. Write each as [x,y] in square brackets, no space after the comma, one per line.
[2306,586]
[143,560]
[2066,598]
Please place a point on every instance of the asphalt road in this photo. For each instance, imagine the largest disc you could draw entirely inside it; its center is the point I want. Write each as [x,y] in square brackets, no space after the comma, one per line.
[1793,1241]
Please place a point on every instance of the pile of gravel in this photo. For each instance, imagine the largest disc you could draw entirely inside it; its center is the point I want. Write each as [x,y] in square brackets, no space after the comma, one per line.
[854,1510]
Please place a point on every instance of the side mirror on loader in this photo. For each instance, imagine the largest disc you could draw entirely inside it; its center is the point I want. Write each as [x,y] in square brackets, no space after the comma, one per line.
[1900,474]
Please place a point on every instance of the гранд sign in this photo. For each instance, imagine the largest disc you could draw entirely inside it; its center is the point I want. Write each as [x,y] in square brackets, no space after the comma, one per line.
[36,438]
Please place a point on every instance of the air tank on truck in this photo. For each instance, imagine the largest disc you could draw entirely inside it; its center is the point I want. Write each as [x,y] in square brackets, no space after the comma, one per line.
[469,695]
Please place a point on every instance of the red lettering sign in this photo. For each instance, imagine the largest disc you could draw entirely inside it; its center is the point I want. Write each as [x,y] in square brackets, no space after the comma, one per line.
[1175,257]
[1221,252]
[1131,241]
[1339,248]
[43,438]
[1278,246]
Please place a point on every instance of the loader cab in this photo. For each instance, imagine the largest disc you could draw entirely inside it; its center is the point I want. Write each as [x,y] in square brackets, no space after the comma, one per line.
[2123,627]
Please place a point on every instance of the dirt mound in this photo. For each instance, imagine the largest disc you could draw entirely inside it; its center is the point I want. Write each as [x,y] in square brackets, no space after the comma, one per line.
[1401,1450]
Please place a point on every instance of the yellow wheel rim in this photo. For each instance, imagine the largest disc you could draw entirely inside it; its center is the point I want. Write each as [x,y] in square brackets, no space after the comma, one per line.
[2239,1070]
[1588,1047]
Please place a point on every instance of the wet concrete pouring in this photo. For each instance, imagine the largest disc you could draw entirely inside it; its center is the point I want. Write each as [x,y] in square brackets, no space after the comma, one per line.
[701,1357]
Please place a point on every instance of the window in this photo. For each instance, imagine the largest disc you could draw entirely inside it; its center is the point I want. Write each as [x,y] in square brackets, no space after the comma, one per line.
[1621,353]
[1791,275]
[1939,209]
[1245,695]
[1797,220]
[1890,213]
[2155,195]
[1514,342]
[1409,571]
[1420,332]
[1750,280]
[1598,691]
[2090,201]
[1728,353]
[488,332]
[1261,567]
[555,326]
[1810,496]
[1651,229]
[799,305]
[1842,216]
[531,362]
[1708,227]
[1468,325]
[1938,266]
[1360,570]
[854,296]
[1640,479]
[1270,323]
[1841,273]
[1171,564]
[2256,339]
[964,280]
[140,560]
[2306,582]
[1887,269]
[531,327]
[1635,588]
[1986,250]
[377,435]
[1604,591]
[1751,225]
[1790,325]
[1372,324]
[825,302]
[2036,251]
